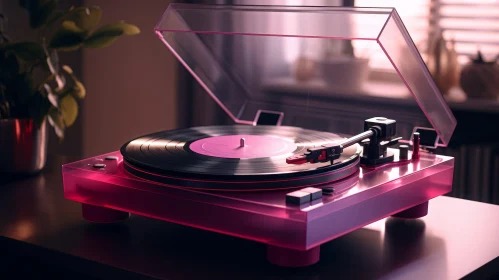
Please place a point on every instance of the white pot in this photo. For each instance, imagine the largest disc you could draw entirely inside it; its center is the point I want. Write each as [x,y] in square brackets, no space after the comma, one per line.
[345,73]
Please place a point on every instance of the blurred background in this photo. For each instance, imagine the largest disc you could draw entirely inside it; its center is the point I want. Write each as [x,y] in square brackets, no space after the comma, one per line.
[135,86]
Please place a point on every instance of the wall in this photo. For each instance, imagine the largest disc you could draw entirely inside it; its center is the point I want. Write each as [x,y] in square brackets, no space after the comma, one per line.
[131,85]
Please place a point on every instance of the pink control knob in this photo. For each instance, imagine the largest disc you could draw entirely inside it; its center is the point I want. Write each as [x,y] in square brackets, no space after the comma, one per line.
[415,146]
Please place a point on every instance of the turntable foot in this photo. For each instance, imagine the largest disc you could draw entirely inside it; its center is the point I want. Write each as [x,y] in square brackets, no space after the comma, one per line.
[415,212]
[292,258]
[97,214]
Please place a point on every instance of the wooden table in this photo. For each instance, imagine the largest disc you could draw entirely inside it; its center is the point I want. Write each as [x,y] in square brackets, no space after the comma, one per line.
[41,233]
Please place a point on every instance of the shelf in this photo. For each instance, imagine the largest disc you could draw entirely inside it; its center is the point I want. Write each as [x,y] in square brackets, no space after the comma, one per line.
[374,91]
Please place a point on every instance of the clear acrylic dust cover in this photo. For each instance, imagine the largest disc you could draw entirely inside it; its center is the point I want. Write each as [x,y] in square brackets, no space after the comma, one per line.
[325,68]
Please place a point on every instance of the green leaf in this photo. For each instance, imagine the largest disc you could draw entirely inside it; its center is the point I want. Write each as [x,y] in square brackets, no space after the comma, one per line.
[49,78]
[27,51]
[43,14]
[85,18]
[39,11]
[78,89]
[107,34]
[67,38]
[71,26]
[55,16]
[104,36]
[69,109]
[129,29]
[100,41]
[67,69]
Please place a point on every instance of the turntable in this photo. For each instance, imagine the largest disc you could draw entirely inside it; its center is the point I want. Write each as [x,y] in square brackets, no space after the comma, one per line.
[265,178]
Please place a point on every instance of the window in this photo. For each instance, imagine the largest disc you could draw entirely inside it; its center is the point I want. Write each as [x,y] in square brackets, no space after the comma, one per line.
[415,14]
[472,24]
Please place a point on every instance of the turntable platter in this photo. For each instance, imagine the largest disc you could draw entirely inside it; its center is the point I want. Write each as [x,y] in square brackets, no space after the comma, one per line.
[235,157]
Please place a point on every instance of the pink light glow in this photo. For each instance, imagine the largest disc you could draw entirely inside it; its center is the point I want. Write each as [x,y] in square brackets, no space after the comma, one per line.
[267,218]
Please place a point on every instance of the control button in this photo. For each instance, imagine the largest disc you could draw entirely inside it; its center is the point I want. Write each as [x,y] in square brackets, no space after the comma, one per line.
[99,165]
[415,145]
[298,197]
[328,191]
[111,158]
[315,193]
[381,119]
[404,152]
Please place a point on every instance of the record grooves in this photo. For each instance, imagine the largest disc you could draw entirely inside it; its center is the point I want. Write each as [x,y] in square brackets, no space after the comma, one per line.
[211,157]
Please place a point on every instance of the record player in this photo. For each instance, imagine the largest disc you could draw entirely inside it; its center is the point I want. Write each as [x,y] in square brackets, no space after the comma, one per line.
[265,178]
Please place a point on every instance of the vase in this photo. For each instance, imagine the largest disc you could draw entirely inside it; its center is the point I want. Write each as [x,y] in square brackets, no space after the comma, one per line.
[304,69]
[442,62]
[345,73]
[23,146]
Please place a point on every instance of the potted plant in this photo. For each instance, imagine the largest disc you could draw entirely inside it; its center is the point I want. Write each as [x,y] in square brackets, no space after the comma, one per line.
[35,88]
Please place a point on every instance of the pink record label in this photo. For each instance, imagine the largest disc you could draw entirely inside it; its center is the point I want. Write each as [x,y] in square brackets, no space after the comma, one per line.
[243,146]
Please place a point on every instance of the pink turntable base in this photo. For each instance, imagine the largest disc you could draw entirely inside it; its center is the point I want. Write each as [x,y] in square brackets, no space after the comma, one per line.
[293,233]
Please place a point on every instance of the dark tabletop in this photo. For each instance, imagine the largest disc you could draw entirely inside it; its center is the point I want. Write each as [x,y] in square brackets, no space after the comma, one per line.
[41,233]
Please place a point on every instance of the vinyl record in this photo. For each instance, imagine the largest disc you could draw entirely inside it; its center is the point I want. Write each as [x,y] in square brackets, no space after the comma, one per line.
[237,157]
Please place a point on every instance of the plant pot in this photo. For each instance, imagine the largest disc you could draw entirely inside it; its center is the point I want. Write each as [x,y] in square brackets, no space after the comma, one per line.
[23,146]
[345,72]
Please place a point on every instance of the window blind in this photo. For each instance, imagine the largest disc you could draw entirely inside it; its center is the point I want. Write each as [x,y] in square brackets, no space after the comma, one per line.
[473,24]
[416,17]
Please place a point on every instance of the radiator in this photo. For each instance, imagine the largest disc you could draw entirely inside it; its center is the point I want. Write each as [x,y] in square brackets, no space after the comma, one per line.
[476,172]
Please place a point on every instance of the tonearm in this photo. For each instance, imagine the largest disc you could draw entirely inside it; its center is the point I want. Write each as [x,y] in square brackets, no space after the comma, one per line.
[379,133]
